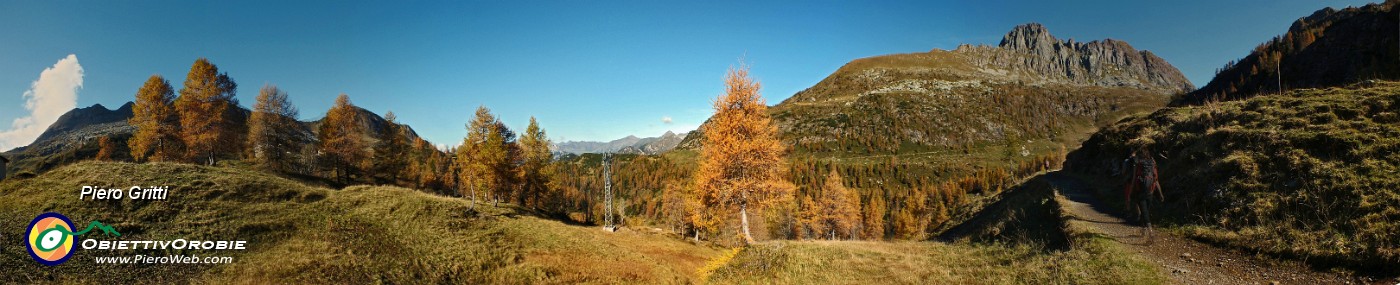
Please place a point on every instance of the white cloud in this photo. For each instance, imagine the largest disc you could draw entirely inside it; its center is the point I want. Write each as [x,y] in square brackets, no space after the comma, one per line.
[666,120]
[54,93]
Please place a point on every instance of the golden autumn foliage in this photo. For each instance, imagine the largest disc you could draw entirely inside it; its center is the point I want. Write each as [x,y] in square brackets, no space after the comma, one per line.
[274,138]
[535,166]
[391,153]
[873,218]
[157,136]
[342,145]
[834,214]
[742,161]
[105,149]
[674,206]
[207,126]
[486,158]
[842,209]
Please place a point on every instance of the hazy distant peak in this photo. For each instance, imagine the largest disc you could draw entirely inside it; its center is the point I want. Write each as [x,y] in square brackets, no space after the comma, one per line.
[628,144]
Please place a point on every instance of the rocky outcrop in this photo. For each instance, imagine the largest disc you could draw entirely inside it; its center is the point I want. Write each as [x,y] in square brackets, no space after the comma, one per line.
[81,117]
[1030,48]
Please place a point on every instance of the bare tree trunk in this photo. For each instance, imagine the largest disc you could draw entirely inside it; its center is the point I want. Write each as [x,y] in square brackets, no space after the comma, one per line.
[744,220]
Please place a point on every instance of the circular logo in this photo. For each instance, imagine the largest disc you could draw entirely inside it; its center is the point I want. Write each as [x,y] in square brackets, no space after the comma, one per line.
[49,238]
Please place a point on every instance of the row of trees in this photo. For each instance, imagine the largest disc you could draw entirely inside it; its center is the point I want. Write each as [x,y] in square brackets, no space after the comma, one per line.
[494,162]
[197,126]
[204,125]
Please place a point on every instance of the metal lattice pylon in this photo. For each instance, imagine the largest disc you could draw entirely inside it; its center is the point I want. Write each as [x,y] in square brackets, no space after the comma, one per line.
[607,193]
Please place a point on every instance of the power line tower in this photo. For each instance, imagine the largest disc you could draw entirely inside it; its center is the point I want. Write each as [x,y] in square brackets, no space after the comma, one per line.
[608,194]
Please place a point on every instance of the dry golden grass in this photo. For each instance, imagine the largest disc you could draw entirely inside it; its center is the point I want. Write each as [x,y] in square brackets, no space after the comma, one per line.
[303,234]
[1309,174]
[370,234]
[1097,261]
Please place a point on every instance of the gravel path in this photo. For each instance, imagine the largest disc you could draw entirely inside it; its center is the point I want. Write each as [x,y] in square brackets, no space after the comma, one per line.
[1187,261]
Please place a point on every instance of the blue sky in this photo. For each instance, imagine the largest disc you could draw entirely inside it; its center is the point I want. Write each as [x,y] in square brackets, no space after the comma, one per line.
[588,70]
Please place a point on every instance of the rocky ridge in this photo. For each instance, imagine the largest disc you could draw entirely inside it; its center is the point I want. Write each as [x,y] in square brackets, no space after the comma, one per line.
[1031,49]
[1030,86]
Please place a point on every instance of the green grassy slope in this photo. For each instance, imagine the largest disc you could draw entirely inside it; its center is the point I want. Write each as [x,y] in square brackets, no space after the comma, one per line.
[298,233]
[1310,174]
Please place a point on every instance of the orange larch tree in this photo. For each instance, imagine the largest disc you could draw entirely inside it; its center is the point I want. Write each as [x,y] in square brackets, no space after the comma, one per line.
[342,145]
[535,165]
[106,149]
[741,159]
[840,209]
[391,153]
[873,217]
[274,134]
[157,136]
[205,105]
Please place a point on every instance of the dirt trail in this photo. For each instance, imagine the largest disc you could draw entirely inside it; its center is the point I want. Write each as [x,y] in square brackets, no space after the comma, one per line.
[1184,260]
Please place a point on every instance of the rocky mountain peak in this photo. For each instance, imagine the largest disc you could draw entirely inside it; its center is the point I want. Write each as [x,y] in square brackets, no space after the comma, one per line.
[75,119]
[1029,37]
[1111,63]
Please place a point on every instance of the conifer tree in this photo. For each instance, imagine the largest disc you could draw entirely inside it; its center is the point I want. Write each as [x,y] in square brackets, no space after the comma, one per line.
[391,152]
[506,171]
[809,216]
[105,148]
[207,126]
[535,168]
[741,159]
[342,140]
[451,171]
[873,218]
[157,136]
[418,160]
[484,160]
[274,136]
[840,208]
[673,206]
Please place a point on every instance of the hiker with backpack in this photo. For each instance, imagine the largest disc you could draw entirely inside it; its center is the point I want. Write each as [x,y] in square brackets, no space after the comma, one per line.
[1144,183]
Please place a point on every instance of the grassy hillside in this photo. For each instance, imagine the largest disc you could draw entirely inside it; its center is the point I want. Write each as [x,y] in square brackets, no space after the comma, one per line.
[1310,174]
[1023,238]
[862,262]
[370,234]
[1328,48]
[298,233]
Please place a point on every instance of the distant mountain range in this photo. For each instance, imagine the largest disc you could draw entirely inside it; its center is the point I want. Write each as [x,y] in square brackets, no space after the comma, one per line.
[629,144]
